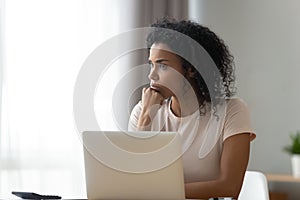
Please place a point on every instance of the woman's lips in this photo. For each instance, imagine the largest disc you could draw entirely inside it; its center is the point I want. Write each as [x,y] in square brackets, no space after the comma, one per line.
[154,88]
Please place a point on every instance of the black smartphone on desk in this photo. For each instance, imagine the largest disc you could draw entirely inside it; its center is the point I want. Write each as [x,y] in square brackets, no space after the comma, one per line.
[32,195]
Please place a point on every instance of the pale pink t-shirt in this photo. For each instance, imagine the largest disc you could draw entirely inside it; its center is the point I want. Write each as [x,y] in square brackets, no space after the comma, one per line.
[202,153]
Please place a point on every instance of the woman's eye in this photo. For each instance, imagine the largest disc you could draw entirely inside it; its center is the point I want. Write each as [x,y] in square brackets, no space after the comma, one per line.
[159,65]
[162,66]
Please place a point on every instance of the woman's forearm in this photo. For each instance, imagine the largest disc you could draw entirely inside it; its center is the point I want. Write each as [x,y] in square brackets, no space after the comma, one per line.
[211,189]
[144,122]
[146,117]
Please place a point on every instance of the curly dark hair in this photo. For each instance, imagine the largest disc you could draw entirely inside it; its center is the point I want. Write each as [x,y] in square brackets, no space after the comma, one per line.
[224,79]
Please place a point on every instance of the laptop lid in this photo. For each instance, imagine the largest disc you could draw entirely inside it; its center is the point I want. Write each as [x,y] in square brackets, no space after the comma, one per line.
[135,165]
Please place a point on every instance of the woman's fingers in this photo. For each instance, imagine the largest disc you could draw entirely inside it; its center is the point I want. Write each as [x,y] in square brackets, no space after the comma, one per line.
[151,97]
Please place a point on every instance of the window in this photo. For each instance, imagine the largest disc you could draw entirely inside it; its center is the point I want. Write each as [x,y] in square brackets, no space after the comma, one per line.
[44,44]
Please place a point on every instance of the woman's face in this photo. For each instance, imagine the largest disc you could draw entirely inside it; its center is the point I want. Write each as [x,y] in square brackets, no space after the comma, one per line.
[166,74]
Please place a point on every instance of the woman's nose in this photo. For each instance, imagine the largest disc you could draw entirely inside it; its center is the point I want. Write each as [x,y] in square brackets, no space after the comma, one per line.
[153,74]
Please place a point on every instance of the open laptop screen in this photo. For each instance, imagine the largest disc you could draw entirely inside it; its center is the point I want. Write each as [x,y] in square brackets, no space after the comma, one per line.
[141,165]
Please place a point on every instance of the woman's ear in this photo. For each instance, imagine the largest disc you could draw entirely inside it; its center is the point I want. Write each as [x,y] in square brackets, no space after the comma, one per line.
[190,72]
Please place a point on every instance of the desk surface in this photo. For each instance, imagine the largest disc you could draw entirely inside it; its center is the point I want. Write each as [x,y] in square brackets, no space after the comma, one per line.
[1,198]
[282,178]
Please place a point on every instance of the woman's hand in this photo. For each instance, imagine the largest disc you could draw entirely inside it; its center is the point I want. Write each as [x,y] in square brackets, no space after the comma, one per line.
[151,102]
[151,97]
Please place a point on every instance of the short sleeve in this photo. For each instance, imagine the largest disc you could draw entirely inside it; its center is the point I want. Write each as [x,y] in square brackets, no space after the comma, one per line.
[134,117]
[237,119]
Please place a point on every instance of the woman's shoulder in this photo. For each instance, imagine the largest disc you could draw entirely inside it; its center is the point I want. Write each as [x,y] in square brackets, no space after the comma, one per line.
[237,108]
[236,103]
[137,108]
[238,118]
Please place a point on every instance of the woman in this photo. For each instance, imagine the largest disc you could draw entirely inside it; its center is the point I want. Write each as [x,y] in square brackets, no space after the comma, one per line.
[185,98]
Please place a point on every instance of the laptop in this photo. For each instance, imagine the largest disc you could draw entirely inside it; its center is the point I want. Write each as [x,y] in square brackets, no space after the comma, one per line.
[134,165]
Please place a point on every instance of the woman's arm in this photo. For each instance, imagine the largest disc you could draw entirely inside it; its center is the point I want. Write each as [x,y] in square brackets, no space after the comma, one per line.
[234,163]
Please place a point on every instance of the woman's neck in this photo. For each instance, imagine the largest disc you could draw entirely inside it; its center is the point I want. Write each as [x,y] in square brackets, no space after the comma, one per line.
[186,105]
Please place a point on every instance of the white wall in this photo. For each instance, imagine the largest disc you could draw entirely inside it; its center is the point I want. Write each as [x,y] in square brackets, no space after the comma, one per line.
[264,38]
[263,35]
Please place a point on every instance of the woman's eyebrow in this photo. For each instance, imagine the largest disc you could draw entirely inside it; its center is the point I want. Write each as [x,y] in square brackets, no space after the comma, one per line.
[158,61]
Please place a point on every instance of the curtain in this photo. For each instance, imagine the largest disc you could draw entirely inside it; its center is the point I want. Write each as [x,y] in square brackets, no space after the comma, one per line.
[1,58]
[43,45]
[39,147]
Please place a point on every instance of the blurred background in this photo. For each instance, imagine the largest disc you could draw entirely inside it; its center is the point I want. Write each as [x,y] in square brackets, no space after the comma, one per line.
[43,45]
